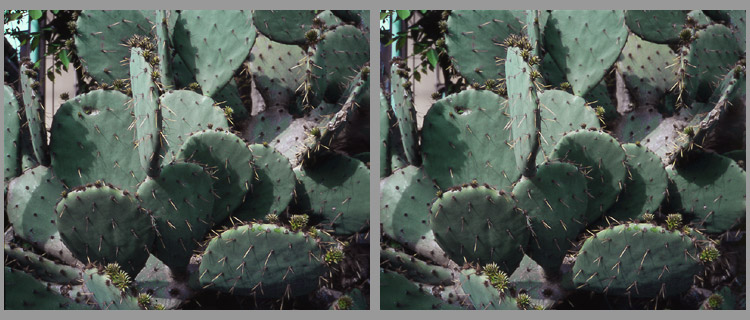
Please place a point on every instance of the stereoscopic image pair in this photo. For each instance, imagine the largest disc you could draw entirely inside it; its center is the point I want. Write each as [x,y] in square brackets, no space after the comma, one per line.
[528,159]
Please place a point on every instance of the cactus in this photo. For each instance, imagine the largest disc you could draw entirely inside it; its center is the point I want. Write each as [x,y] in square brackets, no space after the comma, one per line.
[146,176]
[597,183]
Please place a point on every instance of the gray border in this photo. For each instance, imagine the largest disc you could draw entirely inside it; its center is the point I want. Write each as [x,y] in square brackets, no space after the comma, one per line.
[375,6]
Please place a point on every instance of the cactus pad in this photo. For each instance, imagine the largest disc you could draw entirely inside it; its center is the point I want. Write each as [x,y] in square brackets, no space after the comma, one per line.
[146,111]
[658,26]
[35,115]
[103,224]
[272,187]
[469,125]
[284,26]
[645,186]
[405,200]
[337,58]
[276,72]
[561,112]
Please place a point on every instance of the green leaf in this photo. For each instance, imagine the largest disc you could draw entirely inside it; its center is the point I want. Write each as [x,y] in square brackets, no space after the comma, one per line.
[35,14]
[432,57]
[423,11]
[401,43]
[417,76]
[383,15]
[55,11]
[63,55]
[403,14]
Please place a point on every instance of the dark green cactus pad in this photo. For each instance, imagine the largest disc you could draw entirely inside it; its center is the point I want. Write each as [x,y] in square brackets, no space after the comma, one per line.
[359,17]
[182,218]
[585,44]
[602,159]
[275,71]
[561,113]
[658,26]
[399,293]
[30,208]
[106,295]
[738,156]
[728,300]
[337,58]
[710,190]
[646,69]
[551,73]
[230,100]
[269,124]
[555,201]
[231,161]
[473,39]
[385,127]
[405,200]
[263,260]
[213,44]
[106,225]
[470,126]
[535,21]
[43,268]
[35,115]
[29,293]
[710,63]
[416,269]
[598,96]
[91,140]
[480,224]
[525,113]
[147,112]
[402,101]
[738,19]
[284,26]
[272,187]
[336,192]
[645,184]
[639,260]
[12,134]
[700,17]
[100,40]
[358,301]
[483,295]
[185,112]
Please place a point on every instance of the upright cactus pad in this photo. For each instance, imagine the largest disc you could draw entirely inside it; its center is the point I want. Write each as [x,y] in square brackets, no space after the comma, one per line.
[12,135]
[272,186]
[645,186]
[399,293]
[639,260]
[710,189]
[146,110]
[602,158]
[585,44]
[103,224]
[101,37]
[555,201]
[337,58]
[469,125]
[284,26]
[35,115]
[181,218]
[473,37]
[524,109]
[30,293]
[106,295]
[336,192]
[229,157]
[483,295]
[185,112]
[264,261]
[91,141]
[402,101]
[480,224]
[213,44]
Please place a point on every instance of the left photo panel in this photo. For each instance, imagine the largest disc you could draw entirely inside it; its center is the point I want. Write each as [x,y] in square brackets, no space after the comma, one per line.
[187,159]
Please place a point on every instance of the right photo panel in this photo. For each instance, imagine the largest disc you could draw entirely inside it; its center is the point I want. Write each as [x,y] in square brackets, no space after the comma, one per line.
[540,159]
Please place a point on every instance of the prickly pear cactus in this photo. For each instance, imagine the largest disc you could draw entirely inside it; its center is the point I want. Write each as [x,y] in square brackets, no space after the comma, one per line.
[570,159]
[139,191]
